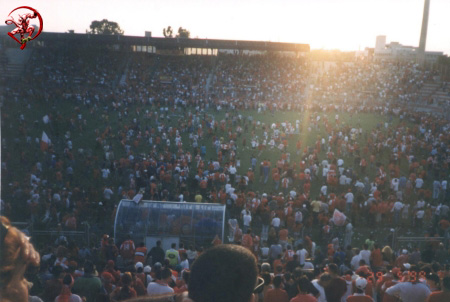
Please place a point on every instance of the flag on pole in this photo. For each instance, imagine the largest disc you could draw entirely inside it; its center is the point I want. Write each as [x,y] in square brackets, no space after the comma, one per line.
[45,141]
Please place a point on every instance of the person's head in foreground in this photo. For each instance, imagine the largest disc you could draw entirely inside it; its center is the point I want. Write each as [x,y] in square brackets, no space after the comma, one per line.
[16,253]
[223,273]
[361,284]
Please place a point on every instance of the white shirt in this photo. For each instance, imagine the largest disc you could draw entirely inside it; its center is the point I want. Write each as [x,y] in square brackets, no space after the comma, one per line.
[348,181]
[232,170]
[298,216]
[349,197]
[410,292]
[394,184]
[154,289]
[247,219]
[365,255]
[293,194]
[323,190]
[302,255]
[398,206]
[184,264]
[420,204]
[419,183]
[105,173]
[107,193]
[355,262]
[322,297]
[276,222]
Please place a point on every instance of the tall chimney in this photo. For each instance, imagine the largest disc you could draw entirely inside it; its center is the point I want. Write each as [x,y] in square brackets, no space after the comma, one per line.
[423,32]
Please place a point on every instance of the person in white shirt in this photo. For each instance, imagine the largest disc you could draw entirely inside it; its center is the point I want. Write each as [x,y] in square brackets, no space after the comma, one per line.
[444,189]
[247,219]
[419,218]
[398,206]
[107,193]
[232,174]
[394,184]
[323,190]
[349,201]
[265,252]
[276,222]
[419,183]
[105,173]
[298,217]
[354,263]
[320,285]
[233,226]
[161,287]
[184,261]
[420,204]
[325,172]
[293,194]
[409,291]
[302,254]
[365,254]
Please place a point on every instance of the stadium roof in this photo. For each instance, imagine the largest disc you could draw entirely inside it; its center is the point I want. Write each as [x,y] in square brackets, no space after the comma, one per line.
[171,43]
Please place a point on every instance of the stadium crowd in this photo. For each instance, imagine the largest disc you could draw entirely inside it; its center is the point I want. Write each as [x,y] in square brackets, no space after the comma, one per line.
[177,130]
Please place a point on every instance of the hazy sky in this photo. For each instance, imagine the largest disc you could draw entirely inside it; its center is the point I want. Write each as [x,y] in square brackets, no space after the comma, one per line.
[328,24]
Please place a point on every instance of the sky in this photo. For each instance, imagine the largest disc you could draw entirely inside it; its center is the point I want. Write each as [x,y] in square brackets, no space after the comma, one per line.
[323,24]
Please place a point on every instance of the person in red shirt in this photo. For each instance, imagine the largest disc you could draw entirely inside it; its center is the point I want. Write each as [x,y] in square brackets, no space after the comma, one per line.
[127,250]
[247,240]
[283,237]
[376,258]
[277,294]
[140,253]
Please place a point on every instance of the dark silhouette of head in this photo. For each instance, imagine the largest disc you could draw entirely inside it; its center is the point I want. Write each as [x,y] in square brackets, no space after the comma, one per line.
[223,273]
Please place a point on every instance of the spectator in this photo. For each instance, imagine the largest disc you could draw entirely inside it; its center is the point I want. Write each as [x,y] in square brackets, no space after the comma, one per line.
[88,285]
[156,253]
[359,295]
[161,285]
[409,291]
[126,291]
[444,294]
[16,253]
[140,253]
[172,255]
[66,295]
[127,249]
[276,294]
[237,269]
[303,287]
[320,285]
[337,286]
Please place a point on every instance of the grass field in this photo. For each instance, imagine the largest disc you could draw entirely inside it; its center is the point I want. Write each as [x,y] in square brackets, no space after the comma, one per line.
[98,119]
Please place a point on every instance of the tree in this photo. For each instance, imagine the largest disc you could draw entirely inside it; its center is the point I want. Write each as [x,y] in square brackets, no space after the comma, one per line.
[183,33]
[168,32]
[105,27]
